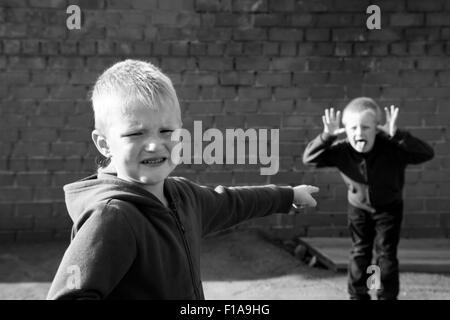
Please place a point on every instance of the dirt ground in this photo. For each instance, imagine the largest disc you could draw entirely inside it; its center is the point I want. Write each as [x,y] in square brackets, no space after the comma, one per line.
[239,265]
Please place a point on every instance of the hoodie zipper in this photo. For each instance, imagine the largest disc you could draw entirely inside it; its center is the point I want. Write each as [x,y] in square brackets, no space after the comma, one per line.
[182,231]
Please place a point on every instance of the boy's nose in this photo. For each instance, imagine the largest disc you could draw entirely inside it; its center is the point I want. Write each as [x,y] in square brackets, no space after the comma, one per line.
[150,147]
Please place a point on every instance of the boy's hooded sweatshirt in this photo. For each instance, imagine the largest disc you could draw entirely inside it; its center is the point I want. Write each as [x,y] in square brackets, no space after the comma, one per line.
[127,245]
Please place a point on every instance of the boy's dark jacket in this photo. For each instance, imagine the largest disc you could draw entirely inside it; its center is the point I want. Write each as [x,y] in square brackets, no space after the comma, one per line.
[127,245]
[375,179]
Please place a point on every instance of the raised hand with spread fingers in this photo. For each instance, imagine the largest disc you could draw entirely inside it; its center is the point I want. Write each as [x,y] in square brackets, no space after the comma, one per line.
[331,122]
[390,127]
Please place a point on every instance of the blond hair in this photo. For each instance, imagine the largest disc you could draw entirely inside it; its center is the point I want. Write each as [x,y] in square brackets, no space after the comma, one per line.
[360,105]
[129,81]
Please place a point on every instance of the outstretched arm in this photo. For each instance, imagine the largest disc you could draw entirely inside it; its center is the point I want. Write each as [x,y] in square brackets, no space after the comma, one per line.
[223,207]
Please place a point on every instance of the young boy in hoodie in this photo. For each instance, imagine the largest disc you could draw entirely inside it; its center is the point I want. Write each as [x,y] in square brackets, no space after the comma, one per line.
[372,161]
[137,232]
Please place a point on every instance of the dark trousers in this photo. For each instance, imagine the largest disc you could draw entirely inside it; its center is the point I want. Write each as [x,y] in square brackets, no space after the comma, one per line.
[379,232]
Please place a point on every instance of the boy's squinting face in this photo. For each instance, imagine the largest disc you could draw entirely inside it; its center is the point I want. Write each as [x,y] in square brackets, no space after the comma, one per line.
[361,129]
[140,143]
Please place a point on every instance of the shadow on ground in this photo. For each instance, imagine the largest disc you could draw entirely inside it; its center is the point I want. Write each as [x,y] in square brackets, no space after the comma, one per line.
[235,265]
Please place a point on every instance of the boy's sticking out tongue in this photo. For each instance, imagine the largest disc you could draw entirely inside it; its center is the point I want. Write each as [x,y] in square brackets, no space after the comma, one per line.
[360,144]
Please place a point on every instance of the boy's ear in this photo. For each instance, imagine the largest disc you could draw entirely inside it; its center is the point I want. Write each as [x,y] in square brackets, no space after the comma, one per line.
[101,143]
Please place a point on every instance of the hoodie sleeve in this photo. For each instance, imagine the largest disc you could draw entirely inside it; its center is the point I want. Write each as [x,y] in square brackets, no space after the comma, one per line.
[412,149]
[320,151]
[223,207]
[99,255]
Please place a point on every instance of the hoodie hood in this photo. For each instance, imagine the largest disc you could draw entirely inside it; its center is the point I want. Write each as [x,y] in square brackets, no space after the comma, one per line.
[88,192]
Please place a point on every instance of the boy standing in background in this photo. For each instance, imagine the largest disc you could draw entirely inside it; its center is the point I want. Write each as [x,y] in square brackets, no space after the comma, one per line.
[372,161]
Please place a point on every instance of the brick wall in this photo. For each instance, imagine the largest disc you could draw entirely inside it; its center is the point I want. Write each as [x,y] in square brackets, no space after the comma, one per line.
[248,63]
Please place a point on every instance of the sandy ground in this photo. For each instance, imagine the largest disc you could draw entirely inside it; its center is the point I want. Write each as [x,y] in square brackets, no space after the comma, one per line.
[237,265]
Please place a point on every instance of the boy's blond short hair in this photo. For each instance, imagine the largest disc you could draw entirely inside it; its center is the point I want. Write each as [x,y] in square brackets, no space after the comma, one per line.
[359,105]
[129,81]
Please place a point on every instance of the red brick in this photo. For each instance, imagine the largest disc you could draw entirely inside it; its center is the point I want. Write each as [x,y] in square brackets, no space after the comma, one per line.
[188,92]
[47,121]
[34,236]
[317,6]
[53,78]
[208,5]
[205,107]
[29,149]
[215,49]
[68,148]
[105,47]
[75,135]
[417,5]
[334,20]
[303,20]
[384,35]
[216,92]
[285,34]
[324,64]
[11,46]
[407,19]
[241,106]
[215,64]
[438,19]
[328,92]
[84,121]
[215,178]
[26,63]
[300,121]
[419,79]
[249,178]
[177,64]
[291,93]
[249,6]
[62,178]
[264,121]
[289,64]
[38,134]
[252,48]
[32,209]
[422,34]
[60,222]
[288,49]
[197,49]
[254,93]
[318,34]
[269,20]
[236,78]
[224,34]
[436,92]
[250,34]
[303,78]
[15,194]
[273,79]
[201,79]
[7,178]
[65,63]
[49,194]
[433,63]
[253,63]
[276,106]
[45,164]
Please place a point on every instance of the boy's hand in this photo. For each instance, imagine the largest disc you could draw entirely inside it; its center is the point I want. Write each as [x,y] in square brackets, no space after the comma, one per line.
[302,195]
[331,122]
[390,127]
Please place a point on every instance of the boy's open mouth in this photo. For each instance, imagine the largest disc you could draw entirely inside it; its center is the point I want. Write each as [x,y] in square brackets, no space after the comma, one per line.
[154,161]
[360,143]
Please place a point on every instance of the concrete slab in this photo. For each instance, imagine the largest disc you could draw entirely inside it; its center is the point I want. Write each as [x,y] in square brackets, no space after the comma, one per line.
[415,255]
